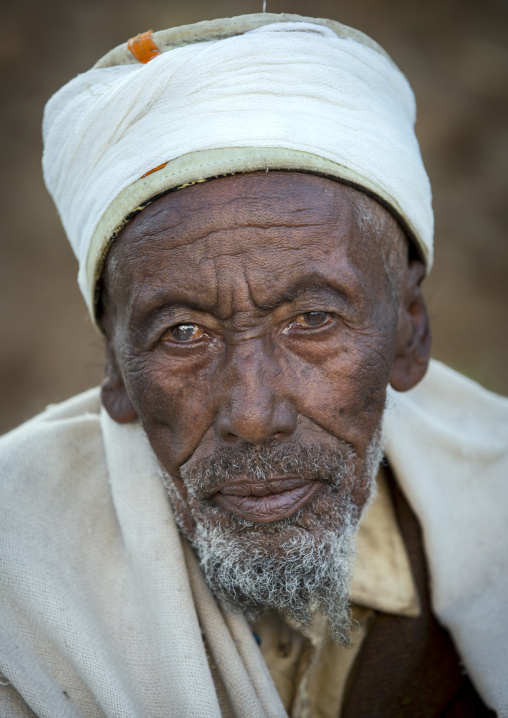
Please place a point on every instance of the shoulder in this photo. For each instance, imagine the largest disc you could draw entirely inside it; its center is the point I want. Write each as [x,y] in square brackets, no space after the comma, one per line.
[60,432]
[447,442]
[453,406]
[56,454]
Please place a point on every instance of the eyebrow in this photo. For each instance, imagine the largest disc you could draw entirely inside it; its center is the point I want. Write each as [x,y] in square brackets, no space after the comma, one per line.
[313,286]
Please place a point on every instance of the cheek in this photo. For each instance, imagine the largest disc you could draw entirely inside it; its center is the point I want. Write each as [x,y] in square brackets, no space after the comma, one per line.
[344,393]
[174,409]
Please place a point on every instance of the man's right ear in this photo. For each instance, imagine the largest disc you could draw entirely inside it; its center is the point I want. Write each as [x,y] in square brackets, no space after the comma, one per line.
[114,395]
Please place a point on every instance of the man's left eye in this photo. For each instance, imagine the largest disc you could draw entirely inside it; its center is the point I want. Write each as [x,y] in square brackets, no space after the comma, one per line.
[312,320]
[184,333]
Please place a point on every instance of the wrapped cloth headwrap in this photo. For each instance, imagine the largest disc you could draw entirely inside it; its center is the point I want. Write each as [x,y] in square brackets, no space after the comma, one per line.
[248,93]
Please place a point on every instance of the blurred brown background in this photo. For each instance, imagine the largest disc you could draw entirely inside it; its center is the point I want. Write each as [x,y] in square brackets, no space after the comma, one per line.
[454,53]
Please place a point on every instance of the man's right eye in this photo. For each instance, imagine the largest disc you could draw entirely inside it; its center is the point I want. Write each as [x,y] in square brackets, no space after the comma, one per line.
[183,333]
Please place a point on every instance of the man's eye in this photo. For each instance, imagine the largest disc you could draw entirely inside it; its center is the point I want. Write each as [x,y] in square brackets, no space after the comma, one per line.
[184,333]
[312,319]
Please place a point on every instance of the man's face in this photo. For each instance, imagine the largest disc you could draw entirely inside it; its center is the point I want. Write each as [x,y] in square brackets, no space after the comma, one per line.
[255,329]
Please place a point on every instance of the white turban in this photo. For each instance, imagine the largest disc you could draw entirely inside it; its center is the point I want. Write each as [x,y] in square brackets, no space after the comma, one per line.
[254,92]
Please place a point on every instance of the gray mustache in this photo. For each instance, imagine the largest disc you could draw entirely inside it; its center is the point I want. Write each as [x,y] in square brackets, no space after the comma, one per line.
[328,464]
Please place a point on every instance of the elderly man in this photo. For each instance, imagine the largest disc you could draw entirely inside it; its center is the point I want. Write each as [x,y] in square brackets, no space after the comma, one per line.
[252,220]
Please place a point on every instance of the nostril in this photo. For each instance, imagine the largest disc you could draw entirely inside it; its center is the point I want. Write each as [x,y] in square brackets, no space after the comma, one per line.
[280,435]
[230,438]
[253,424]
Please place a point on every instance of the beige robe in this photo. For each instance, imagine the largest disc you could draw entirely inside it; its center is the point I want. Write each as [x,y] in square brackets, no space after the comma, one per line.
[104,611]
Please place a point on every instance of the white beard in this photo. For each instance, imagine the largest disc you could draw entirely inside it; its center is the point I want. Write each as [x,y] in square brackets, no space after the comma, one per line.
[295,566]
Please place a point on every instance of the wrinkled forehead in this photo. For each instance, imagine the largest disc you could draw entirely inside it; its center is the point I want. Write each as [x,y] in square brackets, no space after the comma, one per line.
[255,199]
[252,212]
[265,230]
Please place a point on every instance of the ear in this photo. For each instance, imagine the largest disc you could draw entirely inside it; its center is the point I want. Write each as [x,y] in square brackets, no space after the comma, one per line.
[412,353]
[114,395]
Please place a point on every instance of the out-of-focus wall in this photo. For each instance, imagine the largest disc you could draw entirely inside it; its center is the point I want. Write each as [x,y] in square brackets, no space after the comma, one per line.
[455,55]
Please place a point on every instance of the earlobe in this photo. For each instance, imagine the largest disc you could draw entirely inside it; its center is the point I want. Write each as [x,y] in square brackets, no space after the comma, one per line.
[114,395]
[116,401]
[412,354]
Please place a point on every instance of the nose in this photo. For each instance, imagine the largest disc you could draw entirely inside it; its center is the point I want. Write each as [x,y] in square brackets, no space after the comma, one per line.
[253,407]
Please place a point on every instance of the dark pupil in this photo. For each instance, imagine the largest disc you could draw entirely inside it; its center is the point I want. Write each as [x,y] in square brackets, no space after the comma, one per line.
[182,332]
[314,319]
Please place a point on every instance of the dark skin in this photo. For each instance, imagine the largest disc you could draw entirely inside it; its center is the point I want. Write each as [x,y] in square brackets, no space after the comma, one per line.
[248,309]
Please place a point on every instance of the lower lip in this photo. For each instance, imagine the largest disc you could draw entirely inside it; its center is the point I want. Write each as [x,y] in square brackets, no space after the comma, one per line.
[272,507]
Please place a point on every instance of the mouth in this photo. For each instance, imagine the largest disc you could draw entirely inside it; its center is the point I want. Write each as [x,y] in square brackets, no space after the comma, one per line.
[267,501]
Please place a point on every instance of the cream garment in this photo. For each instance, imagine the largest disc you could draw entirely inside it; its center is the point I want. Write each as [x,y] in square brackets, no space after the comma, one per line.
[102,612]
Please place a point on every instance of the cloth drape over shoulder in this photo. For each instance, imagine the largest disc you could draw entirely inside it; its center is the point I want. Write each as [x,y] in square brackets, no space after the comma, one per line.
[104,610]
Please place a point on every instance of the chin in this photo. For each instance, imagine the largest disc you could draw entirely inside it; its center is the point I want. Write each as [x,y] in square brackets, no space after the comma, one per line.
[296,566]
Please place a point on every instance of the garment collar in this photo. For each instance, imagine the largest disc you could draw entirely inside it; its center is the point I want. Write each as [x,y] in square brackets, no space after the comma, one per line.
[382,577]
